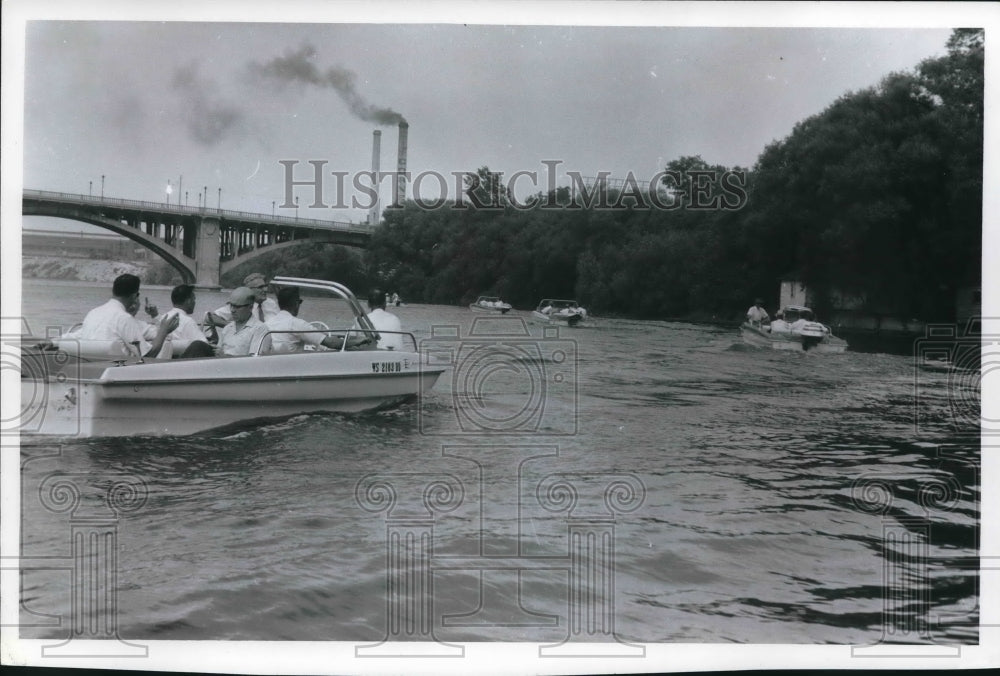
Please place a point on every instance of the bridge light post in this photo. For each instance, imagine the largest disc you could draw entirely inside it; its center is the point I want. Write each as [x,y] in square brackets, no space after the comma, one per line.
[185,198]
[296,207]
[220,200]
[102,187]
[272,208]
[90,190]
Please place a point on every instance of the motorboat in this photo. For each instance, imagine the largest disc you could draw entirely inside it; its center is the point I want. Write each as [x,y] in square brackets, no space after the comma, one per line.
[795,329]
[491,304]
[556,311]
[67,391]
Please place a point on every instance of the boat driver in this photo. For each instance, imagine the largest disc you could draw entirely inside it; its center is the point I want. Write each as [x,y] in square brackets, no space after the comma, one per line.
[386,323]
[757,315]
[244,332]
[291,334]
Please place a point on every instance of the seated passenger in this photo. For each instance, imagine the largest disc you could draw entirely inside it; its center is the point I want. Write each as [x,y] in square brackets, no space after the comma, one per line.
[188,339]
[757,315]
[245,332]
[115,321]
[263,309]
[386,323]
[291,334]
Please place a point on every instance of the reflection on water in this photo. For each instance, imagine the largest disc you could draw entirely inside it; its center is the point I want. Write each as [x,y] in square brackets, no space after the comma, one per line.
[779,498]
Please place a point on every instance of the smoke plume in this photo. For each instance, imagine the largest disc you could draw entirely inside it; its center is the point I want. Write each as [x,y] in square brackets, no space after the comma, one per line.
[208,119]
[298,67]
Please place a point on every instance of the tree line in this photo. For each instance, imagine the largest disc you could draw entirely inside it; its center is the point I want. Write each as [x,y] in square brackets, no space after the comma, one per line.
[877,197]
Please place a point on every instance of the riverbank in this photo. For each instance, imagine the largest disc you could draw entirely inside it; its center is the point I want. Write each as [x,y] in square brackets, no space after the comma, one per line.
[94,269]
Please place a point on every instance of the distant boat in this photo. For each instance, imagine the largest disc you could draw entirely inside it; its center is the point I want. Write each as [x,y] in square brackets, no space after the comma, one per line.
[557,311]
[490,304]
[795,329]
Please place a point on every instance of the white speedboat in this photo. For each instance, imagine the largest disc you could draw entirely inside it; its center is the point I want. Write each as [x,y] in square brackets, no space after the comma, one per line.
[795,329]
[555,311]
[490,304]
[66,393]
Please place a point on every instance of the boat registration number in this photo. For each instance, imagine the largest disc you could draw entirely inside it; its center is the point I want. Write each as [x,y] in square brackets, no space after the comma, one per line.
[387,367]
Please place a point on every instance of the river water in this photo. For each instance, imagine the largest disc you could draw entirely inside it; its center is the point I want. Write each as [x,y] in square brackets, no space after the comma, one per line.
[721,493]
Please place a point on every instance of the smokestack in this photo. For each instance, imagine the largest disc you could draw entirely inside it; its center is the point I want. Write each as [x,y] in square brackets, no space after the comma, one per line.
[401,164]
[374,214]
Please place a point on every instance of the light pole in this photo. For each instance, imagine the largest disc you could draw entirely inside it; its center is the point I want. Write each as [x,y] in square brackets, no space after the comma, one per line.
[296,207]
[170,189]
[90,190]
[220,200]
[272,208]
[102,187]
[185,198]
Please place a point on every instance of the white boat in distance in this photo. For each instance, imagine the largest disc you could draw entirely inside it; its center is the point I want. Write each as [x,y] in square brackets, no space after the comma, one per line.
[490,304]
[556,311]
[795,329]
[69,394]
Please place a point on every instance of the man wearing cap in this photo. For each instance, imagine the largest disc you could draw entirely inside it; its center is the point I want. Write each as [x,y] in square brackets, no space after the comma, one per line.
[264,307]
[291,334]
[244,332]
[757,314]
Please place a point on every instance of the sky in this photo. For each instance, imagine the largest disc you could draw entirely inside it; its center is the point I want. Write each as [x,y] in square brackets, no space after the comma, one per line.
[217,104]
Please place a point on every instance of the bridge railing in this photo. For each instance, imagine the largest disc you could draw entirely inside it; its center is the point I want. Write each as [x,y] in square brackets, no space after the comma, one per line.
[159,207]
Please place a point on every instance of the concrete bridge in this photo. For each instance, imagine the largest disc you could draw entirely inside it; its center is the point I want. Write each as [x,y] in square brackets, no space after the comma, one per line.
[200,242]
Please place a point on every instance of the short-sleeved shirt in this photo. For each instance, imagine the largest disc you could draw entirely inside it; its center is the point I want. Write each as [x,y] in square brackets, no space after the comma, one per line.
[269,307]
[187,330]
[112,322]
[290,336]
[386,321]
[237,341]
[757,314]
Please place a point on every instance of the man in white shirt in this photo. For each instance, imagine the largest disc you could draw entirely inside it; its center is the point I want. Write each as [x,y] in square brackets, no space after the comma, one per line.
[291,334]
[245,332]
[263,309]
[386,323]
[757,314]
[188,339]
[113,322]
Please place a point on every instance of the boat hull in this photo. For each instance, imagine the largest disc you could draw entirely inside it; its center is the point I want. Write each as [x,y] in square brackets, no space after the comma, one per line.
[558,319]
[489,310]
[184,397]
[829,344]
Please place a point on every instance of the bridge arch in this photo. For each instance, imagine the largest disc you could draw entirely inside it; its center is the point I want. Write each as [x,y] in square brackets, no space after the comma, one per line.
[343,239]
[185,265]
[197,242]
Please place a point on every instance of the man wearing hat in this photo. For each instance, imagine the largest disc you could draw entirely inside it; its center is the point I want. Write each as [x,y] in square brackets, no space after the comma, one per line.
[264,307]
[244,332]
[757,314]
[291,334]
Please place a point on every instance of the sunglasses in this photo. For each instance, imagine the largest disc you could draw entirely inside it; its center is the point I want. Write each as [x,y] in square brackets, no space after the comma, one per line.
[234,305]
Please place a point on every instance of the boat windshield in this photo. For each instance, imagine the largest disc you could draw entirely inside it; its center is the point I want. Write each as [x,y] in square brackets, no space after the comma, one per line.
[794,314]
